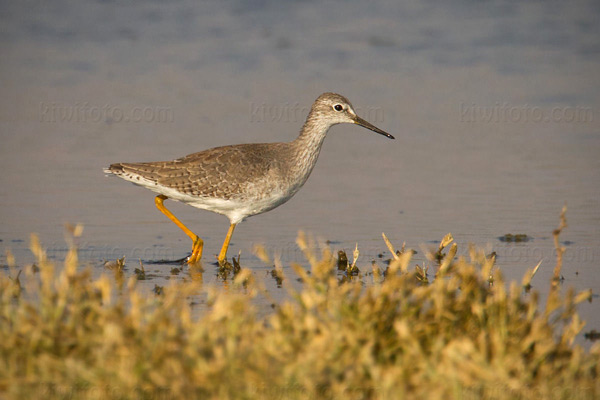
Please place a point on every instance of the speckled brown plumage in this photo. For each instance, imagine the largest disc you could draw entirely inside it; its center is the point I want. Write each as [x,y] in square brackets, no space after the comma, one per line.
[247,179]
[224,172]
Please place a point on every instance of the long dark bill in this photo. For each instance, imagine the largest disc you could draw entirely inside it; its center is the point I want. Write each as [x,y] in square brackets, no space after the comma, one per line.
[359,121]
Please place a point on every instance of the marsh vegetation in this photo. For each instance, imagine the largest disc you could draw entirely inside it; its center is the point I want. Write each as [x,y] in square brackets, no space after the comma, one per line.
[452,329]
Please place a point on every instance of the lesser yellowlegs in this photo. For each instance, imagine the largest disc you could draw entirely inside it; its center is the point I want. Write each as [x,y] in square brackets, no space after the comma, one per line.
[242,180]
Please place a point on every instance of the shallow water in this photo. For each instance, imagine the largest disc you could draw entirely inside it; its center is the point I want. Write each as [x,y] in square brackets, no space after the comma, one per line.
[494,108]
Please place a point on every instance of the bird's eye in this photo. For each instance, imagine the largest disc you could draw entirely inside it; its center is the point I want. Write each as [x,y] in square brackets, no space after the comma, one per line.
[338,107]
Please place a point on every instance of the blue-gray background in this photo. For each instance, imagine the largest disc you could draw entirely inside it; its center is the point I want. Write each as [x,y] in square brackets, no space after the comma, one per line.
[495,107]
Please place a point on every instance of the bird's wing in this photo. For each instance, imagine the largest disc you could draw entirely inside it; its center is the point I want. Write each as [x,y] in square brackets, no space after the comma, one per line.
[220,172]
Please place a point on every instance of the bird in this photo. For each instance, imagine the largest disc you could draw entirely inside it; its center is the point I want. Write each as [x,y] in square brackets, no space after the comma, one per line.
[240,181]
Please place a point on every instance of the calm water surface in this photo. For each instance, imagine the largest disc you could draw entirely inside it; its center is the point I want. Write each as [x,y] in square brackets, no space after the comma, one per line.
[495,109]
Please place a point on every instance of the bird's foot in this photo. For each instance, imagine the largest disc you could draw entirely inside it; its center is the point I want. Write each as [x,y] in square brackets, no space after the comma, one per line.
[196,255]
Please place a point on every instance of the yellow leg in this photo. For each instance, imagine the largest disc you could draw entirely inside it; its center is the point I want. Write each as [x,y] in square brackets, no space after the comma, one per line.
[198,243]
[223,253]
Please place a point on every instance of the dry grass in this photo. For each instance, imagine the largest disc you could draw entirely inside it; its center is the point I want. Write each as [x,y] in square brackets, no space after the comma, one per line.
[66,335]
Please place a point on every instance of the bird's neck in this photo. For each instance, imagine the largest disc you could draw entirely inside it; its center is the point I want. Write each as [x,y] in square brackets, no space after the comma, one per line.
[307,146]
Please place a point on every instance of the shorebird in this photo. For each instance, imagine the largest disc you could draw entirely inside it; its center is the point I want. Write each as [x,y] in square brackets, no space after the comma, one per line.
[242,180]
